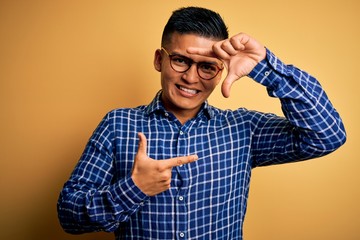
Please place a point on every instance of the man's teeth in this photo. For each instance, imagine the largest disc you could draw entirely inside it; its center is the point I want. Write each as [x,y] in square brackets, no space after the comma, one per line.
[188,90]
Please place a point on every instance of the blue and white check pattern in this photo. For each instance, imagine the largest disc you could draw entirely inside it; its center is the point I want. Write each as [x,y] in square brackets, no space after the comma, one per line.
[207,198]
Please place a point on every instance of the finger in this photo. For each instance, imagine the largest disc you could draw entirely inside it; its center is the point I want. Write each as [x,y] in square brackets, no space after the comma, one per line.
[220,49]
[142,143]
[240,40]
[228,48]
[206,52]
[237,44]
[227,83]
[178,161]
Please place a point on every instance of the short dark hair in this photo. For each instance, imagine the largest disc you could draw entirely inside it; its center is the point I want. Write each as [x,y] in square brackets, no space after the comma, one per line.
[195,20]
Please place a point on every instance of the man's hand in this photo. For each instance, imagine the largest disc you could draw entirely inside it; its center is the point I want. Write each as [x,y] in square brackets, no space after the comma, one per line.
[154,176]
[240,54]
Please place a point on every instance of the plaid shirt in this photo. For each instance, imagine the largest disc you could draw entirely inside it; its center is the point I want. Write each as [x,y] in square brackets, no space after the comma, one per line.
[207,198]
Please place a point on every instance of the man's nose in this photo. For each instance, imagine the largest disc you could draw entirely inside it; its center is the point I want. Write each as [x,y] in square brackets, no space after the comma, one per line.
[191,75]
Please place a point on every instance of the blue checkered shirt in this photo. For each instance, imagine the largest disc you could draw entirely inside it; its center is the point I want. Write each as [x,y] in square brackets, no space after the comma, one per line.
[207,198]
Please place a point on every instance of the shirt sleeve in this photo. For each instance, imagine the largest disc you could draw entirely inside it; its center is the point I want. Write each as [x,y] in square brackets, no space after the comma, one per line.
[91,199]
[311,127]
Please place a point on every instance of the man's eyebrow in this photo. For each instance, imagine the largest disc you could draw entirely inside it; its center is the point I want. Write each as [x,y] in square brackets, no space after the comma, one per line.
[209,62]
[179,54]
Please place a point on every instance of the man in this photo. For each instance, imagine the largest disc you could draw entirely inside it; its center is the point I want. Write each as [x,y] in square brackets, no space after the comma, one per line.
[179,168]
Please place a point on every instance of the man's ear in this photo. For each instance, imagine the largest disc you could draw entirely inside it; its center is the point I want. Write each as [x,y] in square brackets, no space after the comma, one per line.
[157,60]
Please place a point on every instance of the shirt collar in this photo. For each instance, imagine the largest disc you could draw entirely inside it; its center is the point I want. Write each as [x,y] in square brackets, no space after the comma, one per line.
[157,106]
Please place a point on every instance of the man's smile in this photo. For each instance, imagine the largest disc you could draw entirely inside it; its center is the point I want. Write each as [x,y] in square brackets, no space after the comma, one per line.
[187,90]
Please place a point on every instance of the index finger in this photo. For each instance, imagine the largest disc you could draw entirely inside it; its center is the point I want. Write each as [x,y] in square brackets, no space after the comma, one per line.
[206,52]
[178,161]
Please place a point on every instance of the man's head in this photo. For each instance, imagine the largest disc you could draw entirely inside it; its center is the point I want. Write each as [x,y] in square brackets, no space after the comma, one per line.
[195,20]
[187,80]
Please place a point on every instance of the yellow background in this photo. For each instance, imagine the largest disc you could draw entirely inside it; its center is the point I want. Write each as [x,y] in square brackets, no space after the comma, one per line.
[64,64]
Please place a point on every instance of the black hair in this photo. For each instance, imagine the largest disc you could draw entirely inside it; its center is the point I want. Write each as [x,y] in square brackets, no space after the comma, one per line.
[195,20]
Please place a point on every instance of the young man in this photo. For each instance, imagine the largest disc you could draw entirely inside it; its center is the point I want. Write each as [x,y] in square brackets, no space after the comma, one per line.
[179,168]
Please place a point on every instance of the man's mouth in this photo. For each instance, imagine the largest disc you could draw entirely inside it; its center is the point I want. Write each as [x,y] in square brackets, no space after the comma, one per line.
[187,90]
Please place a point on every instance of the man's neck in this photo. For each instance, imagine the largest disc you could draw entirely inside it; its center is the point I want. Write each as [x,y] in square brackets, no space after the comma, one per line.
[184,117]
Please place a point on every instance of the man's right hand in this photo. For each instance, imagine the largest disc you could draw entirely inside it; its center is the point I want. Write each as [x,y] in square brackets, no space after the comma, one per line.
[154,176]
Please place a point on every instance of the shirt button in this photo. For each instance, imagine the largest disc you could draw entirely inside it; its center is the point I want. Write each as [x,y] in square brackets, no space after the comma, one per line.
[181,198]
[166,114]
[181,132]
[182,234]
[267,73]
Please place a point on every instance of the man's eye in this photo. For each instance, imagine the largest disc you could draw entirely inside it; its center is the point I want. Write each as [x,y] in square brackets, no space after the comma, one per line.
[208,67]
[179,60]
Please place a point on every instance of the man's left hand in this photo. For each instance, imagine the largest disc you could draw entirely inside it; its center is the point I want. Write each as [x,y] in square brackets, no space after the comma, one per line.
[240,54]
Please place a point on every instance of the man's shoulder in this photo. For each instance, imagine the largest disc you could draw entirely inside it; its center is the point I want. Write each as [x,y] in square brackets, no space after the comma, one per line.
[127,112]
[230,112]
[237,116]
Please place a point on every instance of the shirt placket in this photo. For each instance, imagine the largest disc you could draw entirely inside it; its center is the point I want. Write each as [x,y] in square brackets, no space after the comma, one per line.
[181,196]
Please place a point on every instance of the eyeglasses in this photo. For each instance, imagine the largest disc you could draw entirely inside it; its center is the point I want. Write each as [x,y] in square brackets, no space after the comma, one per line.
[180,64]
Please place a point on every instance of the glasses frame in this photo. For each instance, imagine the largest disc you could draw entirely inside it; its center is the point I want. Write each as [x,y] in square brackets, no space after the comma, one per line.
[190,63]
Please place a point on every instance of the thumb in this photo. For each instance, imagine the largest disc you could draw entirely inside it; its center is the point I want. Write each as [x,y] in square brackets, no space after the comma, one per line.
[227,83]
[142,147]
[141,152]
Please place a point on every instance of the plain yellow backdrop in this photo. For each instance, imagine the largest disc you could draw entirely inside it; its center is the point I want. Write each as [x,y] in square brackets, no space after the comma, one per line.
[64,64]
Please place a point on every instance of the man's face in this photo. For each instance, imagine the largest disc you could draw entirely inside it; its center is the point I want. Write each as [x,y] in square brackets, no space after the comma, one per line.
[184,93]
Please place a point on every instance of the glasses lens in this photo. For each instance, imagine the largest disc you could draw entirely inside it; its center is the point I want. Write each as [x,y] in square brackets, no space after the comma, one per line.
[179,63]
[207,70]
